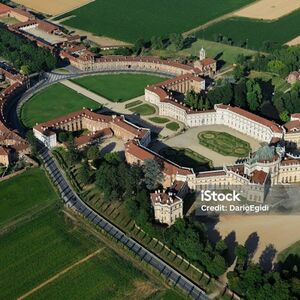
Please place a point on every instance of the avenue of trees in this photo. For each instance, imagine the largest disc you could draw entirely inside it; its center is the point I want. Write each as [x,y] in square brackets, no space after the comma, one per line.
[23,54]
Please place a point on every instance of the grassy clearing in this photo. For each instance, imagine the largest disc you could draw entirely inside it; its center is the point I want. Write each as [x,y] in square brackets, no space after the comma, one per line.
[133,103]
[279,83]
[130,20]
[224,143]
[26,192]
[52,102]
[292,250]
[143,110]
[118,87]
[255,32]
[187,158]
[159,120]
[215,50]
[173,126]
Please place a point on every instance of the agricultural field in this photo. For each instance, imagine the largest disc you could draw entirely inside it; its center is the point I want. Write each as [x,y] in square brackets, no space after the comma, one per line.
[129,20]
[269,9]
[253,33]
[118,87]
[16,201]
[53,7]
[224,143]
[186,158]
[52,102]
[46,255]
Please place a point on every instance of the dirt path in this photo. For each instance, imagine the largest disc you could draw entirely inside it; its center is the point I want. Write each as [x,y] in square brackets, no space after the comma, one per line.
[61,273]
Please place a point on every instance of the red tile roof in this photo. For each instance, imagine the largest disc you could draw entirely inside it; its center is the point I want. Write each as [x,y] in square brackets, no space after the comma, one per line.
[4,8]
[292,126]
[258,177]
[208,61]
[142,153]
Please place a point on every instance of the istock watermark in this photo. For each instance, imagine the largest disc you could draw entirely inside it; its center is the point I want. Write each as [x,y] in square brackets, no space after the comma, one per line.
[208,195]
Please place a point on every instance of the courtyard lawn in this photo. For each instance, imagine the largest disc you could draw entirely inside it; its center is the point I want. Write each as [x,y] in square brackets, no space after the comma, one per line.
[186,158]
[118,87]
[255,32]
[224,143]
[24,193]
[159,120]
[143,110]
[173,126]
[130,20]
[52,102]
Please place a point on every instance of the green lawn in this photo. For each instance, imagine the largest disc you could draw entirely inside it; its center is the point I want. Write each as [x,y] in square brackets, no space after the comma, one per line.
[293,249]
[143,110]
[130,20]
[173,126]
[118,87]
[186,158]
[224,143]
[159,120]
[52,102]
[255,32]
[25,192]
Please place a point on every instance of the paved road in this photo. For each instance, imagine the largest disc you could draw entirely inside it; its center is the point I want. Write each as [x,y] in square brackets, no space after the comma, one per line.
[72,200]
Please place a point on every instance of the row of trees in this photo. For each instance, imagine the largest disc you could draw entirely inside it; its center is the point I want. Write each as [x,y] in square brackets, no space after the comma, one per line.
[23,54]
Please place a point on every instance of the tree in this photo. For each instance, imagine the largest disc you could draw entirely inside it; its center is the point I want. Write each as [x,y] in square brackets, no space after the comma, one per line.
[93,152]
[254,96]
[72,154]
[156,42]
[25,70]
[284,116]
[239,92]
[152,173]
[278,67]
[123,51]
[63,136]
[84,173]
[238,72]
[177,40]
[33,142]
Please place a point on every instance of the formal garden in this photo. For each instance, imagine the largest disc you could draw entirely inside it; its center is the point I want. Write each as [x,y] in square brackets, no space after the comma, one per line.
[224,143]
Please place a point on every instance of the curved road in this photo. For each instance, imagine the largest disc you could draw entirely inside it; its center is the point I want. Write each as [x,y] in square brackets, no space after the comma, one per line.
[72,200]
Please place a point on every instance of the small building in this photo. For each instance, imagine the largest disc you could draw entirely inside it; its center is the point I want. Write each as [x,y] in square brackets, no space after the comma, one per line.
[4,156]
[168,204]
[206,65]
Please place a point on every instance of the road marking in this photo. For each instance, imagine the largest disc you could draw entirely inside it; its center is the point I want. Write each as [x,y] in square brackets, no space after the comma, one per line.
[60,274]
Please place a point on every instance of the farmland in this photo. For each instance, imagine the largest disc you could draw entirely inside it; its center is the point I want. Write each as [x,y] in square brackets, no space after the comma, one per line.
[130,20]
[52,102]
[118,87]
[253,33]
[15,200]
[48,255]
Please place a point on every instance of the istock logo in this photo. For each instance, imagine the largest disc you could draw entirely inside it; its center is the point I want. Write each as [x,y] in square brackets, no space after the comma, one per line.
[207,195]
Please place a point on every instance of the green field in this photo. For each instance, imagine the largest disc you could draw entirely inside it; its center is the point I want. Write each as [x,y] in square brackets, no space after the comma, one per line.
[130,20]
[133,103]
[143,109]
[25,193]
[52,102]
[241,30]
[224,143]
[186,158]
[48,248]
[118,87]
